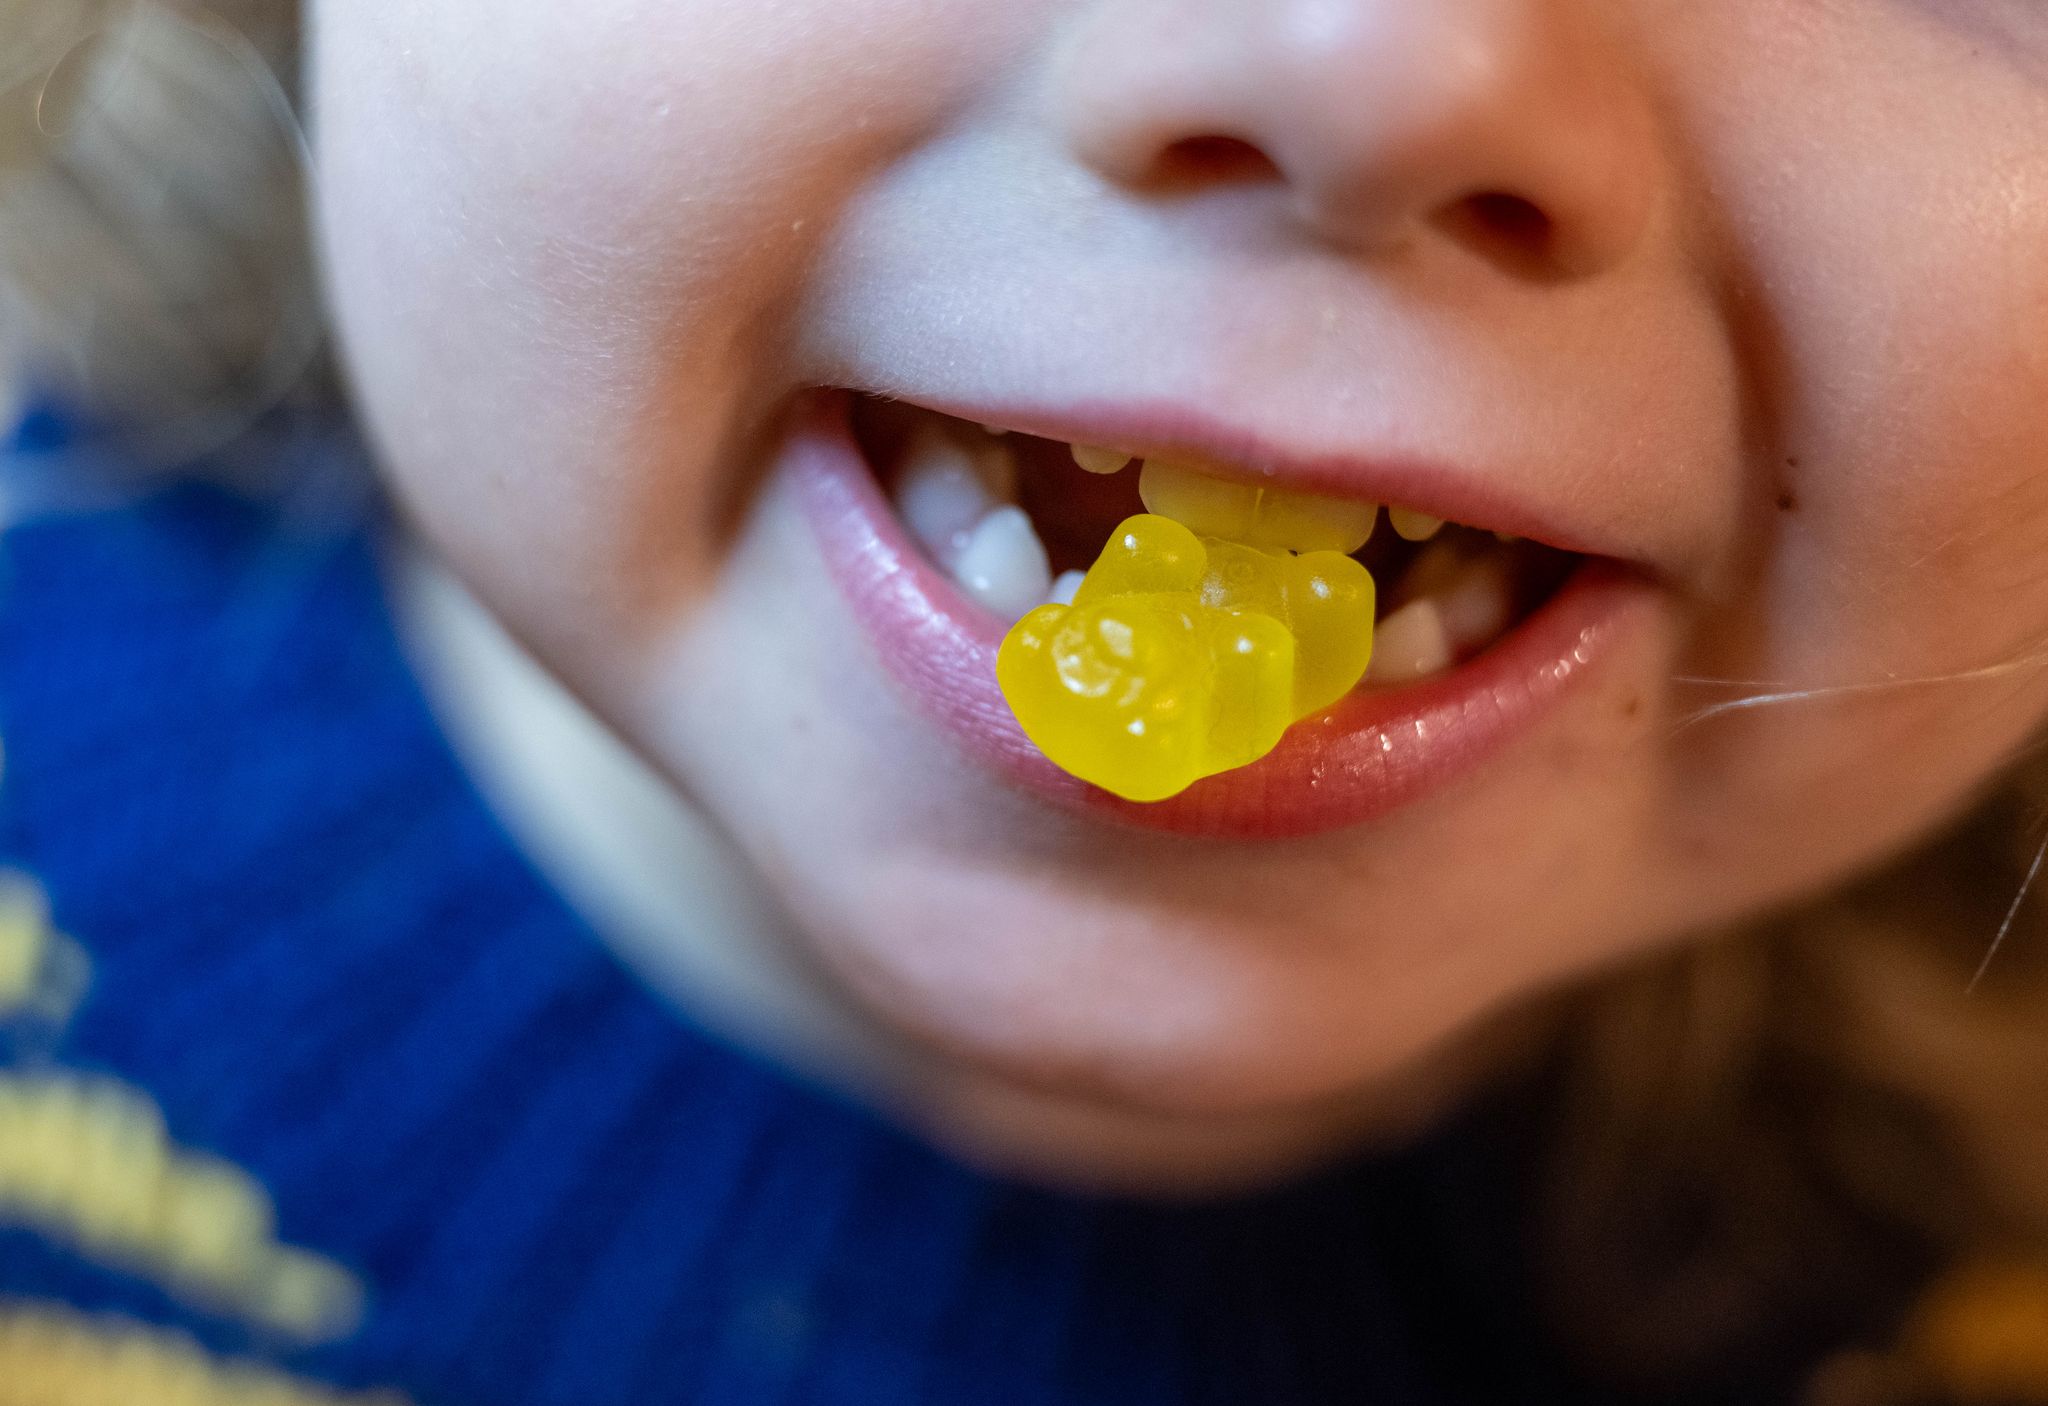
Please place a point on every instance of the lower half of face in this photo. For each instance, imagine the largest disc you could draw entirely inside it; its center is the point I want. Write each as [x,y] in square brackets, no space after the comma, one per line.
[706,349]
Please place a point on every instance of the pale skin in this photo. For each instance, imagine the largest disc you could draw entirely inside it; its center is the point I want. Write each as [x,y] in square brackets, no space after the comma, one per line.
[1783,346]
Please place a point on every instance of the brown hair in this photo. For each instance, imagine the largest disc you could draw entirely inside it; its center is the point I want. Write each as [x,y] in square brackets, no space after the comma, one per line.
[1788,1130]
[155,269]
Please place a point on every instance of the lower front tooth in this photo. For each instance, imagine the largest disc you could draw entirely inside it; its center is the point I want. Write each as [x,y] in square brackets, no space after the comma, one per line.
[1003,565]
[1474,592]
[1477,605]
[1409,644]
[1064,586]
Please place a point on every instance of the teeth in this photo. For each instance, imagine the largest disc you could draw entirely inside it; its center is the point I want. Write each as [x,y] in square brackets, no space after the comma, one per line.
[1478,605]
[1412,526]
[1473,591]
[1410,644]
[958,499]
[1100,461]
[1460,603]
[945,490]
[1002,564]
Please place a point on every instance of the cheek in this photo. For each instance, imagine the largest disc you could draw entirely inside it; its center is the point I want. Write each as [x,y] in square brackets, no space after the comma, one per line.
[560,244]
[1911,528]
[1892,238]
[1889,281]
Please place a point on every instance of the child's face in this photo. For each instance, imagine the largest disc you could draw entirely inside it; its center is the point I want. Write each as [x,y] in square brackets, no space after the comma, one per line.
[1767,320]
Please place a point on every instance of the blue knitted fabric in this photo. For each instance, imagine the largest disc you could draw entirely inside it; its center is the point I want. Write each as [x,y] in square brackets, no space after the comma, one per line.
[319,954]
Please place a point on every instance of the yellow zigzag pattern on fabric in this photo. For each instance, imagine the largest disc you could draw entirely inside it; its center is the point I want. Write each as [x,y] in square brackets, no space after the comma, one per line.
[90,1161]
[43,974]
[54,1358]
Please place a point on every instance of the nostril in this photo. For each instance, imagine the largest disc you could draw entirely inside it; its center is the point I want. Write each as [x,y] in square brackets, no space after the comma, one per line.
[1215,160]
[1502,226]
[1511,218]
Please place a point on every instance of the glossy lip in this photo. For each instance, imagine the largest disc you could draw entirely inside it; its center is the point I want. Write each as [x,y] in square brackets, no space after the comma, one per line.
[1374,751]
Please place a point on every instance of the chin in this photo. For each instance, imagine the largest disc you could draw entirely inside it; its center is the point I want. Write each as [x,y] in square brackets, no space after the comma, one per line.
[1144,1100]
[1105,1047]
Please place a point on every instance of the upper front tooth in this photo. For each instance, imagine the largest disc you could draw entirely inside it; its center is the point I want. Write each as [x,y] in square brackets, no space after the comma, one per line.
[1064,587]
[1003,565]
[942,492]
[1413,526]
[1100,461]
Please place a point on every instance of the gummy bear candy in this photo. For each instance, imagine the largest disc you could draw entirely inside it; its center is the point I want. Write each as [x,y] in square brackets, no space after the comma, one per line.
[1184,656]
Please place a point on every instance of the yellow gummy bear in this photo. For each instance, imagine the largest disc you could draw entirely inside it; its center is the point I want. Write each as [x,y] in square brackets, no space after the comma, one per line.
[1184,656]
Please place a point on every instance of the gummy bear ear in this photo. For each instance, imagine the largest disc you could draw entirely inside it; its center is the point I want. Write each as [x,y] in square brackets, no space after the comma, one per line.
[1250,698]
[1331,601]
[1146,555]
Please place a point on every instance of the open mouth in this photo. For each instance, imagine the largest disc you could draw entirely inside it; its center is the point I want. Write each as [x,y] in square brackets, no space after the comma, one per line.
[942,530]
[1014,520]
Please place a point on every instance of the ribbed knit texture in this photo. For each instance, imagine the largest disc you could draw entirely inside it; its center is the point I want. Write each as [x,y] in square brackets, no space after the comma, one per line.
[318,952]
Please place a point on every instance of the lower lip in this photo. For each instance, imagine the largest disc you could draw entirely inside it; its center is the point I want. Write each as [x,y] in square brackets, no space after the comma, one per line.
[1376,750]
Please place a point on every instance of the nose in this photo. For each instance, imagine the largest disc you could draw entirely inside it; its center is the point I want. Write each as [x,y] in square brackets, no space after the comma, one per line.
[1512,128]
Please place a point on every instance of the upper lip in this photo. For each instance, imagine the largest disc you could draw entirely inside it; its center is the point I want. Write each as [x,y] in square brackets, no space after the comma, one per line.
[1164,430]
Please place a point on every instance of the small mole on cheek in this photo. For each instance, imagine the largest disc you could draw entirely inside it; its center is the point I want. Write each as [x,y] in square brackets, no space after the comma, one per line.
[1788,501]
[1633,707]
